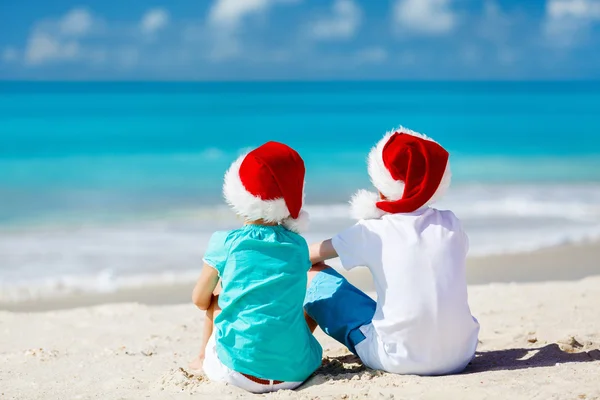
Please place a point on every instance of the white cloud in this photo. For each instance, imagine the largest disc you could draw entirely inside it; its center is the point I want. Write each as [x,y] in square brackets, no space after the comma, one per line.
[495,25]
[230,13]
[43,47]
[341,24]
[500,30]
[573,8]
[425,17]
[59,39]
[10,55]
[154,20]
[225,18]
[79,36]
[77,22]
[567,22]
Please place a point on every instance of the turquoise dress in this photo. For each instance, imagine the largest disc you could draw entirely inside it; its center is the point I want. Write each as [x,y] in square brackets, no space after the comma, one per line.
[261,330]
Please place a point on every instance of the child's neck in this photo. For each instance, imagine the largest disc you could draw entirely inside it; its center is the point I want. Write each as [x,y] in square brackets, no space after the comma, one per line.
[260,222]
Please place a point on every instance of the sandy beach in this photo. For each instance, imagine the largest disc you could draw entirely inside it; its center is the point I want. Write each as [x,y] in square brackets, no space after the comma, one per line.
[138,139]
[539,340]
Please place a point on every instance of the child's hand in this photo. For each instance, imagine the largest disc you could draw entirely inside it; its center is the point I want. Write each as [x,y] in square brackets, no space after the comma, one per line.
[318,267]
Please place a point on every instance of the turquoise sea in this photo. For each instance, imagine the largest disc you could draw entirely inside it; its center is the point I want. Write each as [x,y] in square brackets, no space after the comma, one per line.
[106,184]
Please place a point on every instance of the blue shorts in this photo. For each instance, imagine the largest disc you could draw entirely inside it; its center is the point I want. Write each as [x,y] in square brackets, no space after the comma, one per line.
[338,307]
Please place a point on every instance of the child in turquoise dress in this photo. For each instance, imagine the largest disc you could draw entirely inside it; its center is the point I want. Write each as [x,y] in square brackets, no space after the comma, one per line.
[261,341]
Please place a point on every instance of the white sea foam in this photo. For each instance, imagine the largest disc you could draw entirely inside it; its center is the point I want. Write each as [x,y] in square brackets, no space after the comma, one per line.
[55,260]
[103,282]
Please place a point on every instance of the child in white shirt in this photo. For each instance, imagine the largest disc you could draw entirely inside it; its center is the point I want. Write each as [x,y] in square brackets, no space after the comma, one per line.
[421,323]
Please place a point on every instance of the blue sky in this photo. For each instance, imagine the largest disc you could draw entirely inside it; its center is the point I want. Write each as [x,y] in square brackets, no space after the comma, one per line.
[299,39]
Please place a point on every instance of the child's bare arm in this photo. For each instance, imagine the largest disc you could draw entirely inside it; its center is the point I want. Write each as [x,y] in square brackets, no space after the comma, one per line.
[203,291]
[322,251]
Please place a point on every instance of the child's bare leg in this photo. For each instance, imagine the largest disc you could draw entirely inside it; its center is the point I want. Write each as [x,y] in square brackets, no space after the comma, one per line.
[312,324]
[207,329]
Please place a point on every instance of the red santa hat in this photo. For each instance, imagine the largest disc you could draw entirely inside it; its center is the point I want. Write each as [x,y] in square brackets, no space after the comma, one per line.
[409,169]
[268,184]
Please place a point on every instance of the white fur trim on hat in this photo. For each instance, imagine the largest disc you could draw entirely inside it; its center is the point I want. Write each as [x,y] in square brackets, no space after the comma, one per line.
[299,224]
[253,207]
[364,203]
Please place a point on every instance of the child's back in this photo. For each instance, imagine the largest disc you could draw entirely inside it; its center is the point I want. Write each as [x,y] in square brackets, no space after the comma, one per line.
[421,323]
[261,330]
[261,341]
[418,265]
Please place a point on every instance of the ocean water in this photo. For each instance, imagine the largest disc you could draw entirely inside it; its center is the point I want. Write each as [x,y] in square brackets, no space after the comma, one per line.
[119,184]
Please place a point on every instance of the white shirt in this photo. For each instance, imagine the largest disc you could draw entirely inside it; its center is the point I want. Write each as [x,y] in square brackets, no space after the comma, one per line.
[423,324]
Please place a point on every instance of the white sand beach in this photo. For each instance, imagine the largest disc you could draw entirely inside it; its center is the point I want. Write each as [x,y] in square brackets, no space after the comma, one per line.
[539,340]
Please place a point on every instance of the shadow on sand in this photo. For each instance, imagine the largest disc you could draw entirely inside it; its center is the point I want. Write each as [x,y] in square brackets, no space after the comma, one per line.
[347,366]
[512,359]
